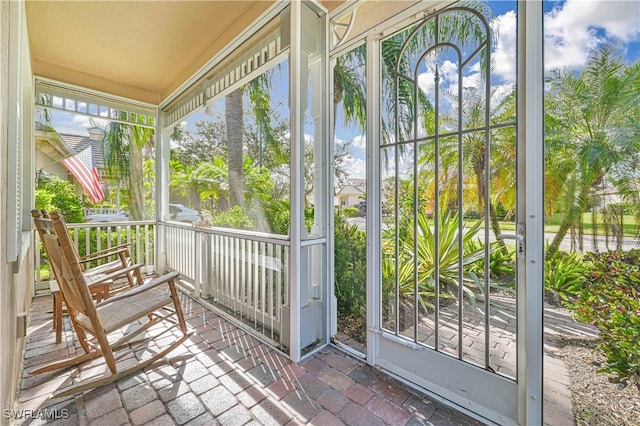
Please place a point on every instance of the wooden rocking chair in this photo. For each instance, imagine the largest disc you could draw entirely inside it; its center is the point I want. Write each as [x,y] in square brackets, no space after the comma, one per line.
[95,322]
[101,290]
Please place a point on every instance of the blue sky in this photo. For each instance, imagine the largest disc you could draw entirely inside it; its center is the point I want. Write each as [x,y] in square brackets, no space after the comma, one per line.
[572,29]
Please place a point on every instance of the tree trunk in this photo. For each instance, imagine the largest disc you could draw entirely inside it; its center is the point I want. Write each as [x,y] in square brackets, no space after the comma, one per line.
[493,216]
[495,227]
[136,183]
[234,122]
[562,231]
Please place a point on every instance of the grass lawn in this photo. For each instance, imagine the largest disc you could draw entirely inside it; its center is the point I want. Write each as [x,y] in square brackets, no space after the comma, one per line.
[629,224]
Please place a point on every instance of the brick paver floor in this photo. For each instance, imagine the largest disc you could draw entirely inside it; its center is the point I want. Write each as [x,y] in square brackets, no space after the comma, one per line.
[221,375]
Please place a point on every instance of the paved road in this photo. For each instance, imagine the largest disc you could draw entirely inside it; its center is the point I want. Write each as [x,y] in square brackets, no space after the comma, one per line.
[627,244]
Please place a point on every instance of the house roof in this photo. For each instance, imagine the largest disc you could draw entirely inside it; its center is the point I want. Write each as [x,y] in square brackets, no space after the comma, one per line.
[350,190]
[80,143]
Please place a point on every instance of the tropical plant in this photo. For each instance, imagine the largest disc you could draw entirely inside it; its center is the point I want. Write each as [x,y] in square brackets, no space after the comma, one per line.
[418,256]
[564,275]
[500,264]
[122,149]
[233,218]
[610,299]
[349,87]
[592,133]
[499,145]
[258,92]
[350,267]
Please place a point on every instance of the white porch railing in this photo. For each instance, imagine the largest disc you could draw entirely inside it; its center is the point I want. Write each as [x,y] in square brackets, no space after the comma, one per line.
[241,273]
[244,274]
[93,237]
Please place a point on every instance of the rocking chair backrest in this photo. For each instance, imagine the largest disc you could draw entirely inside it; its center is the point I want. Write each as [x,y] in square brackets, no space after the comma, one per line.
[49,239]
[73,283]
[45,215]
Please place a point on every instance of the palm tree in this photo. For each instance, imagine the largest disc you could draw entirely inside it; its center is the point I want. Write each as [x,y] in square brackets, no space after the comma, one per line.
[502,148]
[122,146]
[594,132]
[258,91]
[349,87]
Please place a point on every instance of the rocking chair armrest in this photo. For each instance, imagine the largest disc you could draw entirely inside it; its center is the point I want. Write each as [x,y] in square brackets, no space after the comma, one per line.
[122,248]
[116,274]
[141,288]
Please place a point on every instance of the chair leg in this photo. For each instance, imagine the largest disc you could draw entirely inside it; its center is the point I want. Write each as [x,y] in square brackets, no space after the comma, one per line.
[101,336]
[178,306]
[57,315]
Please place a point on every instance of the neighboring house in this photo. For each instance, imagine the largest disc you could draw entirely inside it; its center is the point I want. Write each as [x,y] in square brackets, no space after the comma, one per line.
[351,193]
[52,148]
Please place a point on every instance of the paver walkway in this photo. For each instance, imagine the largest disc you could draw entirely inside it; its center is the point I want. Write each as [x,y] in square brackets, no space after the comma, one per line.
[558,409]
[221,375]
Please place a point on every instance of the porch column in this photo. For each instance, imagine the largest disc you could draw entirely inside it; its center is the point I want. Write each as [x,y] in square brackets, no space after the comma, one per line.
[162,190]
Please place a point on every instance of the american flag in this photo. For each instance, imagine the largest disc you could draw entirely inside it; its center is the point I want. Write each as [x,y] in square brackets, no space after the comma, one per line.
[79,165]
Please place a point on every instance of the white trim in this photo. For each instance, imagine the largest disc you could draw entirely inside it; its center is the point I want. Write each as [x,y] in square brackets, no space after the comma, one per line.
[114,105]
[530,210]
[268,55]
[15,136]
[332,301]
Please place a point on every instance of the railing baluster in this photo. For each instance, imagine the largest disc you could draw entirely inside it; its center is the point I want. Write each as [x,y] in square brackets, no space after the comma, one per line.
[256,281]
[276,314]
[263,280]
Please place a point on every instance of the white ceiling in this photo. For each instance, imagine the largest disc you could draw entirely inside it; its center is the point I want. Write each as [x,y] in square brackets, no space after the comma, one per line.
[137,49]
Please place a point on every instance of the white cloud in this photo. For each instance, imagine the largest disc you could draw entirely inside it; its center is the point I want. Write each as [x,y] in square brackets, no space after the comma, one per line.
[572,29]
[360,141]
[448,73]
[355,167]
[339,141]
[503,58]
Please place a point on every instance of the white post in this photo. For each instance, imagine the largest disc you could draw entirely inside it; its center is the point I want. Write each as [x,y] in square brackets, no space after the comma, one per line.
[162,192]
[296,106]
[374,262]
[530,210]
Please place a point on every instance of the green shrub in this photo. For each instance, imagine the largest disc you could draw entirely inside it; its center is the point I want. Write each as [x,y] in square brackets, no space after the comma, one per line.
[350,212]
[500,264]
[278,216]
[110,237]
[609,298]
[58,194]
[564,275]
[350,267]
[234,218]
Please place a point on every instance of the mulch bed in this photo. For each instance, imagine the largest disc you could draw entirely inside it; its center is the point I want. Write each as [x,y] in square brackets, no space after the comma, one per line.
[597,399]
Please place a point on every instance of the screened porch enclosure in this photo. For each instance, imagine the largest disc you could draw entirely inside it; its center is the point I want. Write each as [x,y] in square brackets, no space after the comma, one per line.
[261,111]
[249,141]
